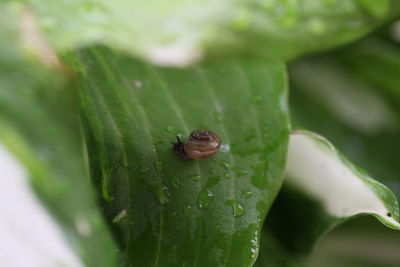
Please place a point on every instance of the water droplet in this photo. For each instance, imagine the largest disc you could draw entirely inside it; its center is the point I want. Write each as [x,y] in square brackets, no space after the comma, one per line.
[250,135]
[227,175]
[205,198]
[225,165]
[195,177]
[254,246]
[160,192]
[158,166]
[123,214]
[212,181]
[225,148]
[212,170]
[258,179]
[175,182]
[238,210]
[247,193]
[186,210]
[256,99]
[240,172]
[169,129]
[144,169]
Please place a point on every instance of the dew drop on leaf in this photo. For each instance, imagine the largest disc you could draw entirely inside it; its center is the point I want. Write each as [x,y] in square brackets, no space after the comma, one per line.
[160,192]
[247,193]
[225,165]
[212,181]
[195,177]
[205,198]
[251,134]
[225,148]
[120,216]
[186,210]
[238,210]
[240,171]
[175,182]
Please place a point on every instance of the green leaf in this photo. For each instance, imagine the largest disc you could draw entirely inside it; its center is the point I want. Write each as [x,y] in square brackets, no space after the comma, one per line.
[322,190]
[352,97]
[180,32]
[167,211]
[41,150]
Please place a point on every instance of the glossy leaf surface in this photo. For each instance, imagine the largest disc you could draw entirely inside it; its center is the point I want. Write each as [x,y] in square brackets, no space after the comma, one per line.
[167,211]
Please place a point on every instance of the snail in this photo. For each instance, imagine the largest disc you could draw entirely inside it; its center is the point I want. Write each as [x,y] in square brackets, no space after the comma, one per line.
[200,144]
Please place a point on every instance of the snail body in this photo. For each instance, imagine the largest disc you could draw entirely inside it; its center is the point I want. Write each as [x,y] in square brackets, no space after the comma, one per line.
[200,144]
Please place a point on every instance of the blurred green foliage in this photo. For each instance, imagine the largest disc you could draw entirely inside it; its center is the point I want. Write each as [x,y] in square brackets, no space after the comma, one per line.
[68,67]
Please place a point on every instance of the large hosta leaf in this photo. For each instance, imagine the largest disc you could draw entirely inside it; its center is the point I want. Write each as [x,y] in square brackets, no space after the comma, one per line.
[179,32]
[41,159]
[351,97]
[322,190]
[167,211]
[343,97]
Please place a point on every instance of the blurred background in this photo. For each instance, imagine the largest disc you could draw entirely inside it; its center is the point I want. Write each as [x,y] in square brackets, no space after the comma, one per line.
[351,95]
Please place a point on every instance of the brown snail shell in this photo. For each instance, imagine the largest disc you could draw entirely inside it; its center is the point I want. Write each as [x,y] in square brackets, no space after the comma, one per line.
[201,144]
